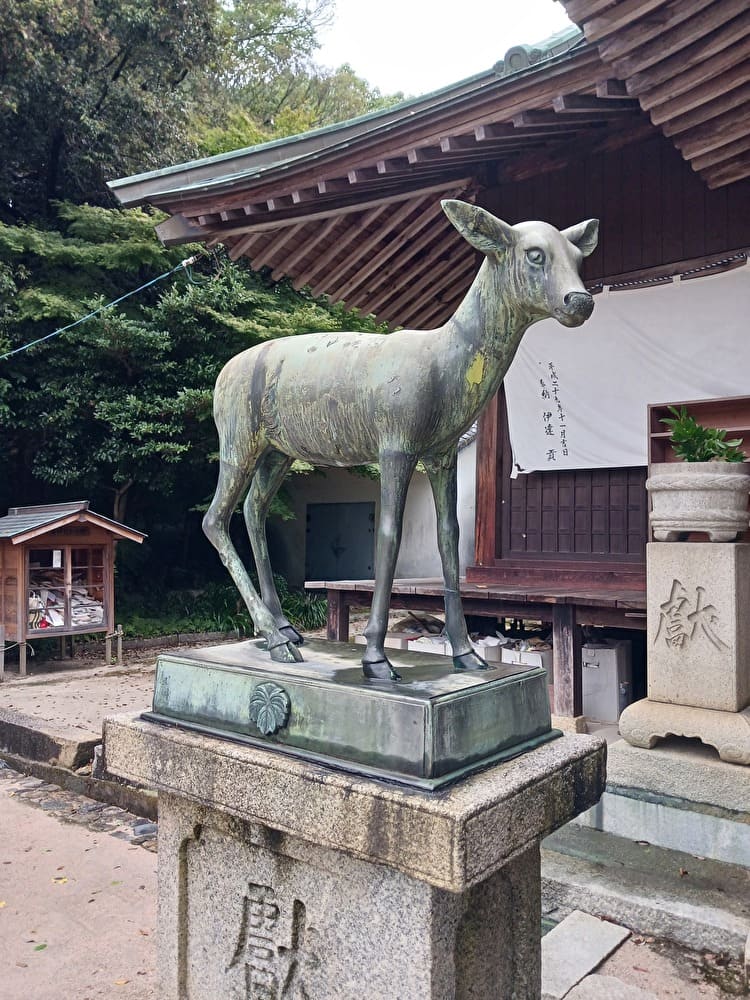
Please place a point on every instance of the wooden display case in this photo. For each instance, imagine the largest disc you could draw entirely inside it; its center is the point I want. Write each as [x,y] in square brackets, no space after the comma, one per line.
[57,572]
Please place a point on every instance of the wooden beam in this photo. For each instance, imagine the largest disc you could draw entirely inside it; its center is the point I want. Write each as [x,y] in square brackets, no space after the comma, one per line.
[457,143]
[324,259]
[402,256]
[563,154]
[243,244]
[333,185]
[553,123]
[429,267]
[726,102]
[457,274]
[720,154]
[700,95]
[681,42]
[359,205]
[564,104]
[658,24]
[427,213]
[280,202]
[424,154]
[612,90]
[362,175]
[582,10]
[567,665]
[365,246]
[286,265]
[728,172]
[719,131]
[702,61]
[393,165]
[265,254]
[602,22]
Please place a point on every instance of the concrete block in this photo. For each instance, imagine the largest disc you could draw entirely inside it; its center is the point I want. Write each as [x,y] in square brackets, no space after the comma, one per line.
[572,949]
[698,624]
[281,877]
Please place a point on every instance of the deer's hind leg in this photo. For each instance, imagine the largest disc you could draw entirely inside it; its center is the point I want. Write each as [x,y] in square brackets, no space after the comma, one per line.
[265,484]
[230,487]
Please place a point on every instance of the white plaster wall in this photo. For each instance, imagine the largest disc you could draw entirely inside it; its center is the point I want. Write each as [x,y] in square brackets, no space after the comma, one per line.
[419,554]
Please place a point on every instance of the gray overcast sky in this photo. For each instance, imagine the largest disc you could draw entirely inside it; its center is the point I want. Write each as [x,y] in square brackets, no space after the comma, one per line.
[420,45]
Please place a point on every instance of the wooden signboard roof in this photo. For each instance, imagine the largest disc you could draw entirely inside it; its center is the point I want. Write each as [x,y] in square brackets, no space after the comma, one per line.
[22,524]
[353,210]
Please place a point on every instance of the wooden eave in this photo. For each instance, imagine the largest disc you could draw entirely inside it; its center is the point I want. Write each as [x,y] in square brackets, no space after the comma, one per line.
[357,217]
[687,62]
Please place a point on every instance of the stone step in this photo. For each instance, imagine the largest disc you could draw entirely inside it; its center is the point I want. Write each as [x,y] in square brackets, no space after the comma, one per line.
[699,903]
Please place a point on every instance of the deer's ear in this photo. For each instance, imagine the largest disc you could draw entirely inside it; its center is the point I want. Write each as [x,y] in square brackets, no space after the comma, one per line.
[585,236]
[480,228]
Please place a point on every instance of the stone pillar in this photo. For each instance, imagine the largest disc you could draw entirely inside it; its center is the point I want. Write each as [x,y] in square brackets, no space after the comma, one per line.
[283,880]
[698,648]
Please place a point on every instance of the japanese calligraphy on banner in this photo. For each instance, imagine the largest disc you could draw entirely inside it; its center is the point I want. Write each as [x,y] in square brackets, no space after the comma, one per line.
[577,398]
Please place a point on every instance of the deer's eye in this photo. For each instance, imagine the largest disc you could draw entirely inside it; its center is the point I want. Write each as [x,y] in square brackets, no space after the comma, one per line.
[535,255]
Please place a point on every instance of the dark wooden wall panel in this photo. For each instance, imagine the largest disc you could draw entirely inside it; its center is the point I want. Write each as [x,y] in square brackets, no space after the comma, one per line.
[653,208]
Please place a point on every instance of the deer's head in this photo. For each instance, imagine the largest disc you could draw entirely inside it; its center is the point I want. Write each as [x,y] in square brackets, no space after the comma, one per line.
[541,263]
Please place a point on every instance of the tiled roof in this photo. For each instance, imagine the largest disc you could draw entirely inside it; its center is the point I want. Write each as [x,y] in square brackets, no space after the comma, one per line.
[19,520]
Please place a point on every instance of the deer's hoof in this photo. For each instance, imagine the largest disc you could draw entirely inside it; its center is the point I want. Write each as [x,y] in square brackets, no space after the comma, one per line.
[290,632]
[380,670]
[469,661]
[285,652]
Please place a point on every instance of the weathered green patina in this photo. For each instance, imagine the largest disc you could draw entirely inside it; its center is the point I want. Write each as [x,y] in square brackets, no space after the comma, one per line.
[343,399]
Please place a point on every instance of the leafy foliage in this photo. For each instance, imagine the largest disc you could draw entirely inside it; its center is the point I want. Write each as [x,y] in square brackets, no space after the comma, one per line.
[94,90]
[692,442]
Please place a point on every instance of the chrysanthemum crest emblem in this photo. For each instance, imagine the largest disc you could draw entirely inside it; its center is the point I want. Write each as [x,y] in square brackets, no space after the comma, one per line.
[269,708]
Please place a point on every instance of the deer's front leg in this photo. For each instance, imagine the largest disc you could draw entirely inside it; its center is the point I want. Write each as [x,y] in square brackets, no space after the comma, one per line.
[395,472]
[442,472]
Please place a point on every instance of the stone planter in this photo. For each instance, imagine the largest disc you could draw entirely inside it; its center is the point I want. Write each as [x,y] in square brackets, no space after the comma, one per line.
[710,497]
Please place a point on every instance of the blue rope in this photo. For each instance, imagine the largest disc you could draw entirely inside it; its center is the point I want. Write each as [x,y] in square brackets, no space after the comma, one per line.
[56,333]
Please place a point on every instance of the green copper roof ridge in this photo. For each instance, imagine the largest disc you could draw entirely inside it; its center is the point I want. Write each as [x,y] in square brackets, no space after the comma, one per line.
[572,34]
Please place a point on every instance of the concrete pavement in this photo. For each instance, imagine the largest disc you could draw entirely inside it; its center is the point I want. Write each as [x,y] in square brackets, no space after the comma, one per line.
[77,903]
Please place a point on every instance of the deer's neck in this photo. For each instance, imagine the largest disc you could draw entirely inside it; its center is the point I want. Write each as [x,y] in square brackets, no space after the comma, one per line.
[480,341]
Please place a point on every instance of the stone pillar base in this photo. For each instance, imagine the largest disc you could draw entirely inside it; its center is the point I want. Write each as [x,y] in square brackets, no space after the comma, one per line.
[645,722]
[283,880]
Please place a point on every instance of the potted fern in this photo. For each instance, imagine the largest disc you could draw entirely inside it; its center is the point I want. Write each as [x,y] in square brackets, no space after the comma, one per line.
[707,491]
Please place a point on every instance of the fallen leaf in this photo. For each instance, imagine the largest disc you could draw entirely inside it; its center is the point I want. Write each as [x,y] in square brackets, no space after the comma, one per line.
[60,879]
[115,883]
[40,947]
[22,965]
[121,982]
[2,903]
[144,933]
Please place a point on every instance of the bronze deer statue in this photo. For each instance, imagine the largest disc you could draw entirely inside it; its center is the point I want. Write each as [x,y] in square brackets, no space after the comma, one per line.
[343,399]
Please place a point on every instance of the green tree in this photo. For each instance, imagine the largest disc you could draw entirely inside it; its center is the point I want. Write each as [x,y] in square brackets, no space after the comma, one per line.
[95,89]
[122,402]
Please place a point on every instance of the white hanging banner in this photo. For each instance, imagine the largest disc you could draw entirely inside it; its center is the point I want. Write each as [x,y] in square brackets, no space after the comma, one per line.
[577,398]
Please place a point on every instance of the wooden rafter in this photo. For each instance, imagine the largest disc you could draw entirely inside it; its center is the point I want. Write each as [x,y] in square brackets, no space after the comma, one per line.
[324,259]
[734,98]
[426,214]
[694,65]
[265,254]
[315,236]
[710,135]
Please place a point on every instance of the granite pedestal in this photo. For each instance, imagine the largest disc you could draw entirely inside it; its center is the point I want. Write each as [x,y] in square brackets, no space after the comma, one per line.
[698,648]
[280,878]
